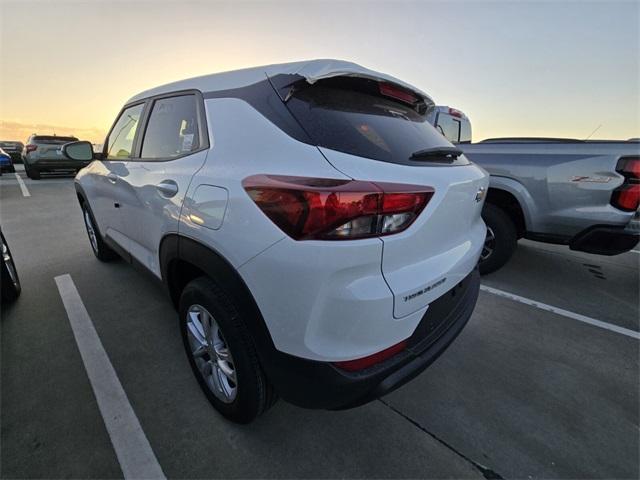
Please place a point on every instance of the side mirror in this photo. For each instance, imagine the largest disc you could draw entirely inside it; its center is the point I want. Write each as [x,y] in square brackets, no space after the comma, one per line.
[82,151]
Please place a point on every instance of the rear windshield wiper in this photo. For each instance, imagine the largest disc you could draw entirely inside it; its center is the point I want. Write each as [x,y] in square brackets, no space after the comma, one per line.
[448,153]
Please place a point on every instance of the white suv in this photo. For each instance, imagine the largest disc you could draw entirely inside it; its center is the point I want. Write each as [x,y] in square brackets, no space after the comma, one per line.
[317,235]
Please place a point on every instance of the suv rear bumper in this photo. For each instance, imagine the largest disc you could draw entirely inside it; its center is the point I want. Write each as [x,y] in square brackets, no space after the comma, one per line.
[605,240]
[46,164]
[314,384]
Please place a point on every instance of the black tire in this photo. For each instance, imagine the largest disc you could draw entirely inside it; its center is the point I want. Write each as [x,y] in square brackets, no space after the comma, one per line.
[101,250]
[12,169]
[497,251]
[253,395]
[10,288]
[31,172]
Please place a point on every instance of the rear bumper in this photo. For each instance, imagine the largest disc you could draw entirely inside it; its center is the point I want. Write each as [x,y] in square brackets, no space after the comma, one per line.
[313,384]
[56,164]
[605,240]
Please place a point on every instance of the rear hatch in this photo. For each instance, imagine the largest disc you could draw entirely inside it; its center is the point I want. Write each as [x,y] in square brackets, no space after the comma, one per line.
[50,147]
[379,132]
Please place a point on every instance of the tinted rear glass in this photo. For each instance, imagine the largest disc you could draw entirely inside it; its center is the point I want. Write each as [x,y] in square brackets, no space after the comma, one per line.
[351,116]
[53,139]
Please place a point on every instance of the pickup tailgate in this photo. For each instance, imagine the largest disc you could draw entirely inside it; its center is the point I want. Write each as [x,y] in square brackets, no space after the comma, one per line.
[443,245]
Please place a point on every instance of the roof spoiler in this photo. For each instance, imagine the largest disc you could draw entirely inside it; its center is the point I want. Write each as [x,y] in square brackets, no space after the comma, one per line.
[315,70]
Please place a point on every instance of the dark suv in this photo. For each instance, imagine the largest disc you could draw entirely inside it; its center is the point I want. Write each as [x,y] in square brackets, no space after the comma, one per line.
[13,148]
[43,153]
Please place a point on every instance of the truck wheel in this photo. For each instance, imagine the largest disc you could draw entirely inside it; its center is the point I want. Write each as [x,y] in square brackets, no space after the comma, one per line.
[222,354]
[501,239]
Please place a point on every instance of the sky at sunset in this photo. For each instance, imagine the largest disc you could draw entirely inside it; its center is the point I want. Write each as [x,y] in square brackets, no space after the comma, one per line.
[516,68]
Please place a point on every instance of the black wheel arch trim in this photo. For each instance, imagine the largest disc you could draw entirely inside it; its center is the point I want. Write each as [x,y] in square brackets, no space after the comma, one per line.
[176,249]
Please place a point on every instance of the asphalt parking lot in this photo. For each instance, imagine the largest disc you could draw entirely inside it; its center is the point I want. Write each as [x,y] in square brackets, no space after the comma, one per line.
[522,393]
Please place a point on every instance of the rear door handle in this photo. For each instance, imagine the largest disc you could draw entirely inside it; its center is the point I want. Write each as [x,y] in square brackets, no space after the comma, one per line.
[167,188]
[112,177]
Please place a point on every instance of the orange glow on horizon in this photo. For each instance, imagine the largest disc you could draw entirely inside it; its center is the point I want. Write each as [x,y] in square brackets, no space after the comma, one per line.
[70,73]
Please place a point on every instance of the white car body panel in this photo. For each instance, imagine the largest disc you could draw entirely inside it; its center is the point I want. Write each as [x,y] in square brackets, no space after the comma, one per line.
[148,214]
[256,146]
[326,301]
[101,191]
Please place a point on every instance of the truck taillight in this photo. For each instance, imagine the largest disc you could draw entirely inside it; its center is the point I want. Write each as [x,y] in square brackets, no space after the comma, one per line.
[627,196]
[329,209]
[31,148]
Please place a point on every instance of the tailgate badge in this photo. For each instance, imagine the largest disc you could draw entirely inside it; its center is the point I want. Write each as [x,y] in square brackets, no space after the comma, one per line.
[588,179]
[424,290]
[480,194]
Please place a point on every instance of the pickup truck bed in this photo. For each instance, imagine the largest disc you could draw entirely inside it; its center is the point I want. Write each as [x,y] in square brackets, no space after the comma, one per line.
[572,192]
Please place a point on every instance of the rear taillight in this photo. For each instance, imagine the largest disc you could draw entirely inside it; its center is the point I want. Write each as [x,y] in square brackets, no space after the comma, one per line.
[328,209]
[627,196]
[31,148]
[366,362]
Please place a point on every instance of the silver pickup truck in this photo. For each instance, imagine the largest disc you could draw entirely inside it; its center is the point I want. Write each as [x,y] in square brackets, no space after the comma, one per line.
[580,193]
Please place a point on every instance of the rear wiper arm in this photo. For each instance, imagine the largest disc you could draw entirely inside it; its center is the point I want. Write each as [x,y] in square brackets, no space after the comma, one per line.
[446,152]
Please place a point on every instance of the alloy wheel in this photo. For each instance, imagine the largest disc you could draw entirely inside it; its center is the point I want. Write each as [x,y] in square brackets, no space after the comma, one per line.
[489,245]
[211,354]
[91,231]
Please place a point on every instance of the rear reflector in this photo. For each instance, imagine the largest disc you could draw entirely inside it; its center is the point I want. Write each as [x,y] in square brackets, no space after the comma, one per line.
[389,90]
[366,362]
[627,196]
[329,209]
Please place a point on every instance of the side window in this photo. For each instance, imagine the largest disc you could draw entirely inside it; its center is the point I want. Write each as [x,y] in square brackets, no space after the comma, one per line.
[465,131]
[172,129]
[449,127]
[120,142]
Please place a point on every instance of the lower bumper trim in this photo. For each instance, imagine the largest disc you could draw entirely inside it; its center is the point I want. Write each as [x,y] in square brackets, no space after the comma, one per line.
[313,384]
[605,240]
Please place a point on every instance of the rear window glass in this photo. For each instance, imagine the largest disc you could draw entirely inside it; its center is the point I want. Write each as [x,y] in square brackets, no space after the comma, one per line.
[53,139]
[449,127]
[351,116]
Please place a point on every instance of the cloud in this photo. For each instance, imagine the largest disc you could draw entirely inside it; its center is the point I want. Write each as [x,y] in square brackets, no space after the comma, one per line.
[13,130]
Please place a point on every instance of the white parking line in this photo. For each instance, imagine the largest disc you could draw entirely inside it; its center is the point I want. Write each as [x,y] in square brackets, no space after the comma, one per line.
[23,187]
[635,251]
[132,448]
[564,313]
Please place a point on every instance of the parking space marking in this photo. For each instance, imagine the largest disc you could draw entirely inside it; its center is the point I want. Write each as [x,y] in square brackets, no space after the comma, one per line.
[23,187]
[564,313]
[132,448]
[635,251]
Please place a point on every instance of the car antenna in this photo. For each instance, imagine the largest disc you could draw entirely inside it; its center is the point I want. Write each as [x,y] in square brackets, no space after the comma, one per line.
[596,129]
